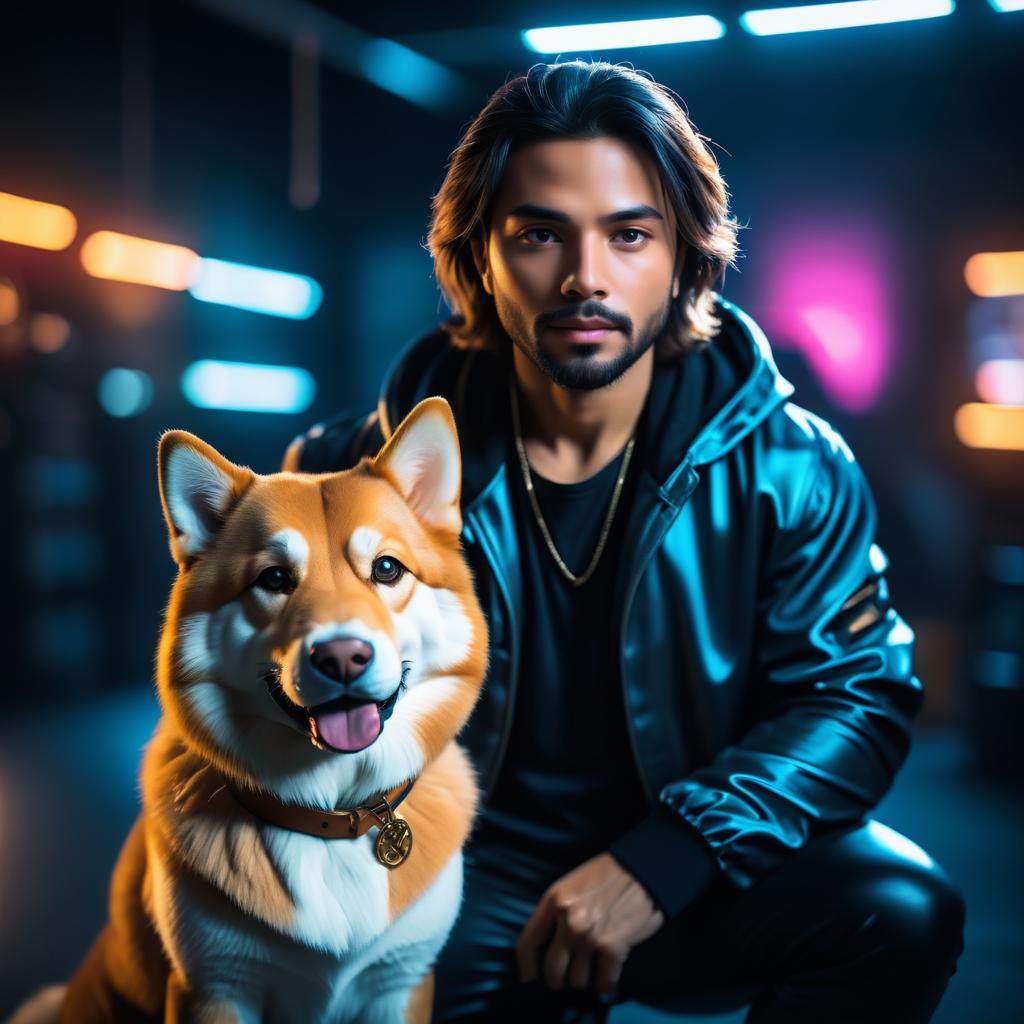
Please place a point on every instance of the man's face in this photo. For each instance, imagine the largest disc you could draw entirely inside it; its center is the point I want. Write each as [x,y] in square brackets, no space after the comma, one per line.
[580,231]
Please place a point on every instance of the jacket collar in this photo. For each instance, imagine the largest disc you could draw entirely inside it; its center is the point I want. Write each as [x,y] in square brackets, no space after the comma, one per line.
[734,381]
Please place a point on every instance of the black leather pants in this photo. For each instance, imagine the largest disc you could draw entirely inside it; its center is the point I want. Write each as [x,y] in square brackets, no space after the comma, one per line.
[858,926]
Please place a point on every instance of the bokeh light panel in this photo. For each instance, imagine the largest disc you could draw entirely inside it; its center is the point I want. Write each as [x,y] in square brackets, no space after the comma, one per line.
[408,74]
[248,387]
[1001,381]
[117,257]
[853,14]
[618,35]
[253,288]
[40,225]
[979,425]
[995,274]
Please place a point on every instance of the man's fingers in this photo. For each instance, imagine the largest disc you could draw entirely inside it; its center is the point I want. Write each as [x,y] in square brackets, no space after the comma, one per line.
[580,967]
[534,932]
[608,969]
[556,960]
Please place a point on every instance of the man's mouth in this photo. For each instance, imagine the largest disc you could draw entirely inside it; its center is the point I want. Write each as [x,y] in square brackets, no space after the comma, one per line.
[345,725]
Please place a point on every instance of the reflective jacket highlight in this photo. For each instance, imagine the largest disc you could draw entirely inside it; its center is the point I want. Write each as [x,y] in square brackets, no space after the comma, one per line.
[768,682]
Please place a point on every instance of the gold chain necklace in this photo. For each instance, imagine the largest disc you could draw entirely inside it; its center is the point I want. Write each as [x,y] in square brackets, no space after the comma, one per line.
[524,465]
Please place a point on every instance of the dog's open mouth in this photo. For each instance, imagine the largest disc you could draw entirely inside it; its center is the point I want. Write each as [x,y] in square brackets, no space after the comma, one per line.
[348,725]
[345,725]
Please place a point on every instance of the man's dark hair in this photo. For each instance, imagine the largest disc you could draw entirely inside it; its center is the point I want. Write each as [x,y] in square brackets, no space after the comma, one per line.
[579,100]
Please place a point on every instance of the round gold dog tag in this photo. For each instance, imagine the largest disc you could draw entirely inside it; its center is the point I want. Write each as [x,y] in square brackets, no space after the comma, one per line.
[394,842]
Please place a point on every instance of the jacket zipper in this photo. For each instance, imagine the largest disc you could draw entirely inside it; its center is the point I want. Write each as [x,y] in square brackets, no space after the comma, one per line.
[628,603]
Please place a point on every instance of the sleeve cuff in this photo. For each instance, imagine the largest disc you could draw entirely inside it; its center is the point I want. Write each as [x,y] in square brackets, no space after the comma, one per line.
[669,858]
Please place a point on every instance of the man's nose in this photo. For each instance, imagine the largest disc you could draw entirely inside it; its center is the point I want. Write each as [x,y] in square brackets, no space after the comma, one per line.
[343,660]
[586,273]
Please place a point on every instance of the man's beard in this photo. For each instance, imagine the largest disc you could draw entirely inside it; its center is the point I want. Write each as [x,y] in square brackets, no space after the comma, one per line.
[583,372]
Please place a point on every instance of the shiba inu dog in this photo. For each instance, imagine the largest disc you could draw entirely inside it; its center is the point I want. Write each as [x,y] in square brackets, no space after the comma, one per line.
[298,854]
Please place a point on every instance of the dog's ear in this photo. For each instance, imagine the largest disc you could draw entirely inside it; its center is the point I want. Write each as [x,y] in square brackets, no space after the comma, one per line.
[421,460]
[198,487]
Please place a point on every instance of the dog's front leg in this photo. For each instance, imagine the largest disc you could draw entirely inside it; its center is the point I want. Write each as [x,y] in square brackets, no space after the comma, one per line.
[186,1006]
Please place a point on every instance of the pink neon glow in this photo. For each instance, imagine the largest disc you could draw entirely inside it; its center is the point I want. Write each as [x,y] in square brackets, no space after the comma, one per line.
[1001,381]
[828,298]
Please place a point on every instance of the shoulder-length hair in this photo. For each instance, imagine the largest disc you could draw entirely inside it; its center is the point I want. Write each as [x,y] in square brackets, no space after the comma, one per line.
[580,100]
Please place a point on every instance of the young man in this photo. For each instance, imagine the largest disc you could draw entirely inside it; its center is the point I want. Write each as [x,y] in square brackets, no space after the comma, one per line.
[697,684]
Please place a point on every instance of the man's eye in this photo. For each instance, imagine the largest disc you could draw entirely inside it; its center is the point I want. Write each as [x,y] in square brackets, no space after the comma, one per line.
[387,570]
[638,235]
[537,231]
[276,579]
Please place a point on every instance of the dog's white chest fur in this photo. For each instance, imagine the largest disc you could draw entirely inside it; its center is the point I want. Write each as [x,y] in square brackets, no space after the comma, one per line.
[294,926]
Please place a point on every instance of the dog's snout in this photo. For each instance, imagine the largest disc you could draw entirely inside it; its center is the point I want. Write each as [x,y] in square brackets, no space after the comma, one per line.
[343,660]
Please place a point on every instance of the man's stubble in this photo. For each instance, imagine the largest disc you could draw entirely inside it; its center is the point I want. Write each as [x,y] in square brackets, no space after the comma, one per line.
[583,372]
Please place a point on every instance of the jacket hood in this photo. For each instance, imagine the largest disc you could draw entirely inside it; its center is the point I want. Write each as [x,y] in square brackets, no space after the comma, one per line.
[699,407]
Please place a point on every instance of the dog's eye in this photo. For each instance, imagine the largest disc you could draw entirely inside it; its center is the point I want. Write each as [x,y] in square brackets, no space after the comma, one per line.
[387,570]
[276,579]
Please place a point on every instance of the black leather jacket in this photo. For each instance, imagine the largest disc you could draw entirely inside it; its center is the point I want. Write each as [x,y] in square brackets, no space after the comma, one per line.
[768,682]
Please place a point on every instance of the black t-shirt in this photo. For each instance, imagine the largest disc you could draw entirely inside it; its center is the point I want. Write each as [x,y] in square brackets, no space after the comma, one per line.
[568,783]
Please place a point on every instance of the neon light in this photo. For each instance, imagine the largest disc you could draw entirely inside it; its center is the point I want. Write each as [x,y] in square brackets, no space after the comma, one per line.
[853,14]
[978,425]
[620,35]
[250,387]
[124,393]
[30,222]
[992,274]
[1005,6]
[117,257]
[253,288]
[1001,381]
[408,74]
[825,294]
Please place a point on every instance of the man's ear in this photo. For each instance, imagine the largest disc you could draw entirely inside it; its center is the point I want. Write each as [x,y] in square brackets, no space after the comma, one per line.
[198,488]
[478,247]
[421,460]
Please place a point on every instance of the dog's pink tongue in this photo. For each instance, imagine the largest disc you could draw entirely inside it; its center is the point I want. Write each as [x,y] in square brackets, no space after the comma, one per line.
[352,729]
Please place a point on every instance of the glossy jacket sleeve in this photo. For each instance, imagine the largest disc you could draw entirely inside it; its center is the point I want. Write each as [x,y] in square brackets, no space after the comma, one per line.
[834,691]
[668,858]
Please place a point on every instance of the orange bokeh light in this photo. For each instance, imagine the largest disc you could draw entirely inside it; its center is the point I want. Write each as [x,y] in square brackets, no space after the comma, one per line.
[992,274]
[30,222]
[118,257]
[981,425]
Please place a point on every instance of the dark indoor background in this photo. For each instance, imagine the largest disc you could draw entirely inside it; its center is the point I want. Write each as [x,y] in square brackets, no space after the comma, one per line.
[869,164]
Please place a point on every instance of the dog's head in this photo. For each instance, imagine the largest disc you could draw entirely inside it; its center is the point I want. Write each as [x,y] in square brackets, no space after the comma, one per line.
[323,639]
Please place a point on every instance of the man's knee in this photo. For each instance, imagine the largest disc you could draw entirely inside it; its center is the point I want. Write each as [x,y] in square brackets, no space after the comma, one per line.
[906,903]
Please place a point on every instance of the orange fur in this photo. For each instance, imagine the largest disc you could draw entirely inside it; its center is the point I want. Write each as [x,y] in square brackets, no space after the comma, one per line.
[191,823]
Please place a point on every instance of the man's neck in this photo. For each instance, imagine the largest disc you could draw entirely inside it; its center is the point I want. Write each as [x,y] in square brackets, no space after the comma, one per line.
[571,435]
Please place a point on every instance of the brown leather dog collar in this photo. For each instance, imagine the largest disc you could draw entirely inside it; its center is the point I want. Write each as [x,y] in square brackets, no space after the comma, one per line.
[313,822]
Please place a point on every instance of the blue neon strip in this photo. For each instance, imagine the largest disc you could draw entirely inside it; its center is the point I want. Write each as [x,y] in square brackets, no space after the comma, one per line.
[256,289]
[618,35]
[1005,6]
[853,14]
[408,74]
[248,387]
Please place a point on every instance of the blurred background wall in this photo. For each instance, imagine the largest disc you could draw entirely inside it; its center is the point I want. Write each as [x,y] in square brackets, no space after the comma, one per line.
[869,166]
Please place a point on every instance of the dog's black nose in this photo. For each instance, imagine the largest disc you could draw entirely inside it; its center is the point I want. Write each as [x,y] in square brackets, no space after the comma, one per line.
[343,660]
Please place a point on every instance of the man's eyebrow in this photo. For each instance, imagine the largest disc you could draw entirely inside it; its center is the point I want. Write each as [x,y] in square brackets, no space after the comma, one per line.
[640,212]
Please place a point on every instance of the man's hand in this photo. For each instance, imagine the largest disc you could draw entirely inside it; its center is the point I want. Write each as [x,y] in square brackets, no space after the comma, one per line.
[598,913]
